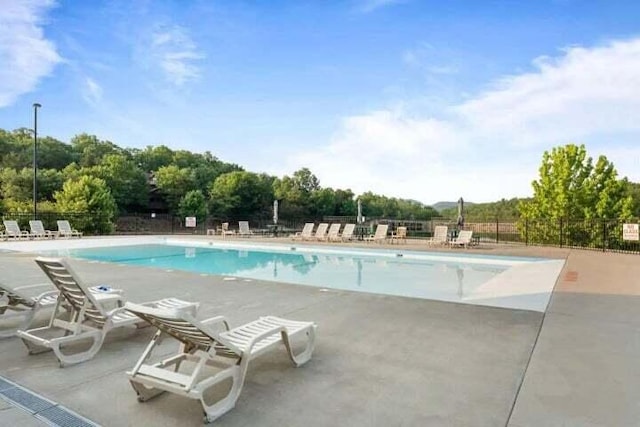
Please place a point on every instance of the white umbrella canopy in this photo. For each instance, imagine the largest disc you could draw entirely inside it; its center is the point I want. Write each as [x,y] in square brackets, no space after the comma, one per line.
[275,212]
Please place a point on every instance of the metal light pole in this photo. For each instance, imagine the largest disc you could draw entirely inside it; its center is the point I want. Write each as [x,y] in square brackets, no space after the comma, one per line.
[35,159]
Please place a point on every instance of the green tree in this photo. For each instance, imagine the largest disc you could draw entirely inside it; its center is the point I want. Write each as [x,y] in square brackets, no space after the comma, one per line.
[127,182]
[89,150]
[174,182]
[152,158]
[241,194]
[89,195]
[194,204]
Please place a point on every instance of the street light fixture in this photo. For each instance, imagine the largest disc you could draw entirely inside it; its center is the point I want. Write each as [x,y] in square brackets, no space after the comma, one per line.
[35,159]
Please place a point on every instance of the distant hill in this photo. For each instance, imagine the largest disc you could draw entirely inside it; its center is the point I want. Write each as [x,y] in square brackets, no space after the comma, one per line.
[447,205]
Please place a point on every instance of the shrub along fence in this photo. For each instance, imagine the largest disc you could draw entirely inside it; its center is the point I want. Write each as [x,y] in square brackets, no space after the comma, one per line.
[595,234]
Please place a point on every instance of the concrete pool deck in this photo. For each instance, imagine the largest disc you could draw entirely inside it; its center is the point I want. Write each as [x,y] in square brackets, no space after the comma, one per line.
[379,360]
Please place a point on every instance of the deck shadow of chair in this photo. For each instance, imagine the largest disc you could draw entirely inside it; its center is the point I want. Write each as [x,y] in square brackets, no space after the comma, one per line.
[90,317]
[440,235]
[463,239]
[65,229]
[216,352]
[38,230]
[19,305]
[13,231]
[380,235]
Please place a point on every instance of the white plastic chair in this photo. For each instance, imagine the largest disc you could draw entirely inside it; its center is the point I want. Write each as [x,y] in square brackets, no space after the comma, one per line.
[12,230]
[243,229]
[334,232]
[38,231]
[215,356]
[90,318]
[463,239]
[321,231]
[439,235]
[380,234]
[347,232]
[400,234]
[65,230]
[306,233]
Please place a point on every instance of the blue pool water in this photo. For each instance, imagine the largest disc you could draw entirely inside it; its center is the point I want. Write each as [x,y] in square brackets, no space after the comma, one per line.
[447,280]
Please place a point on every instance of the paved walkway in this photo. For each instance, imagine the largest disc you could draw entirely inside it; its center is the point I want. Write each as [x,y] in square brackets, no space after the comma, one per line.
[380,360]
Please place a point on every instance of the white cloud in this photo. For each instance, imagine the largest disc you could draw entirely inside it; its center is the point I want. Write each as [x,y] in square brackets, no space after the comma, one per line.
[176,54]
[92,91]
[490,146]
[25,54]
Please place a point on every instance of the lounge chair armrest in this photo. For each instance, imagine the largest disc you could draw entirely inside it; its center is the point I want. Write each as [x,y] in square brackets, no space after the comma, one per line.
[113,311]
[37,285]
[216,319]
[53,292]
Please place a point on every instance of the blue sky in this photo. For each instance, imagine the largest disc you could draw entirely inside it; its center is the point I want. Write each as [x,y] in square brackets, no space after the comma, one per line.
[429,100]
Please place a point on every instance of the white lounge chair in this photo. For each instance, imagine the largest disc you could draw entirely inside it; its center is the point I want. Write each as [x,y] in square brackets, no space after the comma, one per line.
[243,229]
[380,234]
[224,230]
[215,356]
[38,231]
[19,305]
[463,239]
[321,231]
[440,233]
[334,232]
[90,318]
[399,235]
[347,232]
[12,230]
[65,230]
[306,233]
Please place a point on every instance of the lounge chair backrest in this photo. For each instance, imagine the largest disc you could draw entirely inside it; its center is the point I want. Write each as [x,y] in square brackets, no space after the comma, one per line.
[307,230]
[36,227]
[381,231]
[464,236]
[15,297]
[12,228]
[243,227]
[322,230]
[440,233]
[64,226]
[183,327]
[401,232]
[72,289]
[348,230]
[334,230]
[225,226]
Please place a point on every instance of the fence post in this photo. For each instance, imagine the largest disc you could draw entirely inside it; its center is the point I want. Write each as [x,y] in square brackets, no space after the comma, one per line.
[560,232]
[526,231]
[604,235]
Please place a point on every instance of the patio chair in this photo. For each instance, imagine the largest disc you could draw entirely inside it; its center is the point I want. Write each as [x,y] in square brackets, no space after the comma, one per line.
[380,234]
[12,230]
[463,239]
[90,318]
[334,232]
[347,232]
[306,233]
[224,230]
[38,231]
[217,354]
[321,231]
[243,229]
[439,235]
[400,234]
[65,230]
[18,305]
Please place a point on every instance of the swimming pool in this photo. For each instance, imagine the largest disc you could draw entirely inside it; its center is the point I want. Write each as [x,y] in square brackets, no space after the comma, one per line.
[447,277]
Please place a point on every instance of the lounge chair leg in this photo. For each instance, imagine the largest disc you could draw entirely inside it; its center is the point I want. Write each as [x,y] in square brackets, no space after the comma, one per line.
[145,393]
[304,356]
[215,410]
[70,359]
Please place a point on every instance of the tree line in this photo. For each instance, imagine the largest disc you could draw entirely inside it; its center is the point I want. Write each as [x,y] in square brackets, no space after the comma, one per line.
[99,177]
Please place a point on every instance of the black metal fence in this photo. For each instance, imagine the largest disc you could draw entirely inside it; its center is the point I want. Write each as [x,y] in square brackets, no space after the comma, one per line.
[595,234]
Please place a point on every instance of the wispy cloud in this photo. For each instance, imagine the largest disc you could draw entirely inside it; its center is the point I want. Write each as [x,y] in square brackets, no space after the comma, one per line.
[367,6]
[490,146]
[92,91]
[176,53]
[25,54]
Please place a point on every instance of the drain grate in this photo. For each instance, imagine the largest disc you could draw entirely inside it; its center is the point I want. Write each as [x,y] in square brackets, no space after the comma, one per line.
[43,409]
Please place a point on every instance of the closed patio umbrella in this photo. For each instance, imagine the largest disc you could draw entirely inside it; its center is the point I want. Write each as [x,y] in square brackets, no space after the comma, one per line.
[359,219]
[275,212]
[460,221]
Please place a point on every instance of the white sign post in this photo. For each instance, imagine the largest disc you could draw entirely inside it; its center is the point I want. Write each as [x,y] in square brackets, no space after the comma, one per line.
[630,232]
[190,221]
